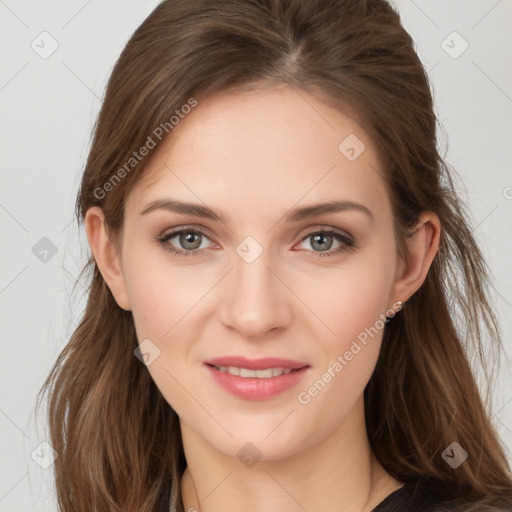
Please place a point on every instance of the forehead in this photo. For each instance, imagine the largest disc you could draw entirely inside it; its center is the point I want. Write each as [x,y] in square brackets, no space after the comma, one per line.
[260,147]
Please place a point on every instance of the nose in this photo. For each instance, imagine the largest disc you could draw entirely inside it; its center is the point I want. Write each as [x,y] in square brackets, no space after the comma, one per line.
[256,299]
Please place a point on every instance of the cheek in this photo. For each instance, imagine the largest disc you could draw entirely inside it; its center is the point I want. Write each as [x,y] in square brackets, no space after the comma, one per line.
[349,299]
[364,304]
[160,293]
[352,303]
[357,316]
[164,300]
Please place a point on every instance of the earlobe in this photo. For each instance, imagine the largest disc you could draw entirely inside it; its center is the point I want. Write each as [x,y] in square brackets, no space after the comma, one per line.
[106,255]
[422,246]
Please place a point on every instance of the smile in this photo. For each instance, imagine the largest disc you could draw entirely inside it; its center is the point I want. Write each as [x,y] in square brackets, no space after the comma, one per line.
[261,384]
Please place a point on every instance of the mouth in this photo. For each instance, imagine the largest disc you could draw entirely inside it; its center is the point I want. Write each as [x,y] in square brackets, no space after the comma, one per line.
[257,379]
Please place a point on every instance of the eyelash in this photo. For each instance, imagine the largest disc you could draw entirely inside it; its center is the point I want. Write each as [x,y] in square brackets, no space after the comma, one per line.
[347,243]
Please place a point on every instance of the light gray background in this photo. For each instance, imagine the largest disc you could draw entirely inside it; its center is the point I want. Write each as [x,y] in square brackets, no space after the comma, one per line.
[48,107]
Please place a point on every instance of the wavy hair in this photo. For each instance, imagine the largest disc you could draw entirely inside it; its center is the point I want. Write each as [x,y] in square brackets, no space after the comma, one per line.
[118,441]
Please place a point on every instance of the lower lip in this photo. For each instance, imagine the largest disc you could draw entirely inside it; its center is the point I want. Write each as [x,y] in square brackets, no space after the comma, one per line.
[253,388]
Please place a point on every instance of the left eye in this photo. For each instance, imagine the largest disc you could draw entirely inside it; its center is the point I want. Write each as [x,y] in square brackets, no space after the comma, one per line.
[191,242]
[323,240]
[188,239]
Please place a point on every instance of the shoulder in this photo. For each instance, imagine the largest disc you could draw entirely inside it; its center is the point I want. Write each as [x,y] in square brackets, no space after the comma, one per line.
[431,495]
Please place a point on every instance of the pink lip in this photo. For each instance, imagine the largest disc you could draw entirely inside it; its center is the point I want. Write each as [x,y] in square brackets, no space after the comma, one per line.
[254,388]
[256,364]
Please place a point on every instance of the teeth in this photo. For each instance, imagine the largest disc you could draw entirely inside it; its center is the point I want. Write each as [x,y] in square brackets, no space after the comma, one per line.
[260,374]
[248,373]
[233,370]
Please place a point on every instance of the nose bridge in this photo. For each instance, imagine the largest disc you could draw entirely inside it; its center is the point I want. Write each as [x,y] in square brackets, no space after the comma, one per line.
[256,300]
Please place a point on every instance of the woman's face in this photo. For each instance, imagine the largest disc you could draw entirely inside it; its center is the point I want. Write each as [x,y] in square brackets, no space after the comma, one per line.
[279,277]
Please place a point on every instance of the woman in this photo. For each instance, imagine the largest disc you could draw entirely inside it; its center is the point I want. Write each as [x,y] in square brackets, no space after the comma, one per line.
[281,273]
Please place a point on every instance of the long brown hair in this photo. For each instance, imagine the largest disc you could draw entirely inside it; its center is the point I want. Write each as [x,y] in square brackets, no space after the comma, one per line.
[118,441]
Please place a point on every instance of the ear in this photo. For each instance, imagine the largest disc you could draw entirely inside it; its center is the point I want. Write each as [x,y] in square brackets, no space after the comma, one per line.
[422,246]
[106,255]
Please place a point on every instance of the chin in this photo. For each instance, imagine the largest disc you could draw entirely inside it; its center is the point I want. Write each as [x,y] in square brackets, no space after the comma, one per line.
[264,436]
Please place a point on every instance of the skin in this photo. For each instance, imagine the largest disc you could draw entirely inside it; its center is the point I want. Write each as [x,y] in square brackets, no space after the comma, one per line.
[254,157]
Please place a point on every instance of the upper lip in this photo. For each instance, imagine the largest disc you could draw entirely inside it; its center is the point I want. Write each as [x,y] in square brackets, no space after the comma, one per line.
[256,364]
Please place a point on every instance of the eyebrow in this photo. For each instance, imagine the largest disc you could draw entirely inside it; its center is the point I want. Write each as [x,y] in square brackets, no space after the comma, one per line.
[296,215]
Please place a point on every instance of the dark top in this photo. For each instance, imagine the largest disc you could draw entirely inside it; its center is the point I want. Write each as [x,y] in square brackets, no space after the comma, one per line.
[423,495]
[417,496]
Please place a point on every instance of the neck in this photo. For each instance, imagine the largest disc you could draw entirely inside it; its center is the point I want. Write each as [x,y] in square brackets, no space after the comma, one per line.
[340,470]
